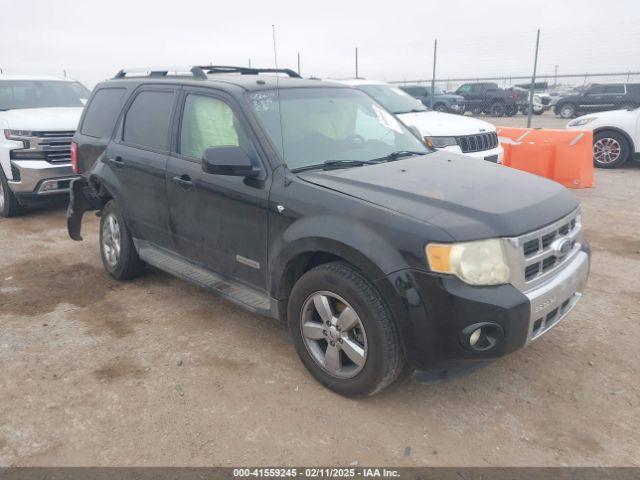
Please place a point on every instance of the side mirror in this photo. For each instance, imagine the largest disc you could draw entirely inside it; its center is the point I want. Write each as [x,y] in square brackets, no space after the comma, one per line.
[230,160]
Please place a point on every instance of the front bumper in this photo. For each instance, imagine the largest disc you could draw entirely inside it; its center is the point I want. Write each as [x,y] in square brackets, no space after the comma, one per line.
[433,311]
[33,180]
[494,155]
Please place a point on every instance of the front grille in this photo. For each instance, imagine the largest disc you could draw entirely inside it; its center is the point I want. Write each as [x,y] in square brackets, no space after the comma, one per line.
[543,251]
[478,142]
[546,322]
[52,146]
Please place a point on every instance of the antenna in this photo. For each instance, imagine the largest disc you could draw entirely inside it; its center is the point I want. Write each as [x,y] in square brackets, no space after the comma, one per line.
[275,50]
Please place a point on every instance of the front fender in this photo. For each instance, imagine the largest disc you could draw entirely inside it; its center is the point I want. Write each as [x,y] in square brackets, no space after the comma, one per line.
[357,243]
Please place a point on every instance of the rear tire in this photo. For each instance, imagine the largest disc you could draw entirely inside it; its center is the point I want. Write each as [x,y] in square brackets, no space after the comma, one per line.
[610,149]
[367,334]
[567,110]
[119,255]
[497,109]
[9,206]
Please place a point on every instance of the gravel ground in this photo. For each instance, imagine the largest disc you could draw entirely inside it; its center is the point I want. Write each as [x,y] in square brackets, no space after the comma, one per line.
[159,372]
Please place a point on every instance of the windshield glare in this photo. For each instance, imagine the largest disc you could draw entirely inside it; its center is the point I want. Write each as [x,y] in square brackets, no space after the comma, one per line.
[393,99]
[15,94]
[324,124]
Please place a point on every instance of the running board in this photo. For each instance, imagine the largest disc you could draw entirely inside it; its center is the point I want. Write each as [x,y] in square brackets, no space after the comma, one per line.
[244,296]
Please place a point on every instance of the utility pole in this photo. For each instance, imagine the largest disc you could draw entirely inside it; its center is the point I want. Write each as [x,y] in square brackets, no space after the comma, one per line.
[357,62]
[249,63]
[299,70]
[555,77]
[533,81]
[433,77]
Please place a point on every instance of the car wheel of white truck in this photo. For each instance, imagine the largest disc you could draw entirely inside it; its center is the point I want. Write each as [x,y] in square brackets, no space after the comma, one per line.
[343,331]
[610,149]
[9,206]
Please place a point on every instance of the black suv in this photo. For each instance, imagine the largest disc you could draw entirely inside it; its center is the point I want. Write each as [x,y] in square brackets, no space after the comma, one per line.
[309,202]
[598,98]
[488,98]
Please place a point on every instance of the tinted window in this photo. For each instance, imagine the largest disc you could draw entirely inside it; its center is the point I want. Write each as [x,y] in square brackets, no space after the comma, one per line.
[209,122]
[614,89]
[147,120]
[101,113]
[595,90]
[633,88]
[464,89]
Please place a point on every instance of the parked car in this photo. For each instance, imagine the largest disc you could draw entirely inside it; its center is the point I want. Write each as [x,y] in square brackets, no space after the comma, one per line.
[541,98]
[445,131]
[442,102]
[598,98]
[616,136]
[310,202]
[38,117]
[488,98]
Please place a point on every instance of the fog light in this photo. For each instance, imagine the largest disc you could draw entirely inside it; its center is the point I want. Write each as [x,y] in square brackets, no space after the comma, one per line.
[49,186]
[475,336]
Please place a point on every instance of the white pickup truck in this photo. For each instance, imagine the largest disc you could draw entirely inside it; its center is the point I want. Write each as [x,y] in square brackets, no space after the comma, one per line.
[38,117]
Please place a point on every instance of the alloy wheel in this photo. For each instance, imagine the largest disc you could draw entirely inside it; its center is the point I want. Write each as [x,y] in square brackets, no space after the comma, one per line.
[334,334]
[111,240]
[606,150]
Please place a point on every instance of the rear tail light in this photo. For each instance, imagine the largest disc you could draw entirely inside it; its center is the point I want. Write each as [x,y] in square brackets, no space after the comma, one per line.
[74,157]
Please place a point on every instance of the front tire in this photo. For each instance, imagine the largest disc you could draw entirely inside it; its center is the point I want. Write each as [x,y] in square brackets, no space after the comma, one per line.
[343,331]
[9,206]
[610,149]
[119,255]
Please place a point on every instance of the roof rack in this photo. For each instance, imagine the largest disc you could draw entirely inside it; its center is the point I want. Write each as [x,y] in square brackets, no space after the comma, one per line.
[162,72]
[246,70]
[200,72]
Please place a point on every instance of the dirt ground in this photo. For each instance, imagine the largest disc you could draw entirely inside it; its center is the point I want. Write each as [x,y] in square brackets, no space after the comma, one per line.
[159,372]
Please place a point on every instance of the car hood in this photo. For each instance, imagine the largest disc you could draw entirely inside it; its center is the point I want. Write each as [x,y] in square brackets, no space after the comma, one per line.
[438,124]
[469,199]
[449,96]
[40,119]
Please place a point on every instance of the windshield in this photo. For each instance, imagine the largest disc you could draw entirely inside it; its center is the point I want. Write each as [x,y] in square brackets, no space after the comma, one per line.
[393,98]
[328,124]
[16,94]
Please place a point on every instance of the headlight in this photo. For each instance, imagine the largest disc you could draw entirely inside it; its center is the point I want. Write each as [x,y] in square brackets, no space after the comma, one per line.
[17,134]
[440,142]
[482,262]
[581,121]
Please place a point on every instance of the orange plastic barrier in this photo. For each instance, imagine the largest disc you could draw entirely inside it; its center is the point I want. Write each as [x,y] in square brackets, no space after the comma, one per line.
[565,156]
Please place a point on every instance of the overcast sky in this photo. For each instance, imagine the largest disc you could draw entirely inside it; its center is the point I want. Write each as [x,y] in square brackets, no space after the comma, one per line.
[91,39]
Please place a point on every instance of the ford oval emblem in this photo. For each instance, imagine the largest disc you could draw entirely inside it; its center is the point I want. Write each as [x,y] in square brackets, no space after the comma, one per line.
[562,246]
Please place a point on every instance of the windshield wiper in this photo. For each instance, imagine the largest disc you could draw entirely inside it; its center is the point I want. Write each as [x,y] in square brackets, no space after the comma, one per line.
[397,155]
[335,164]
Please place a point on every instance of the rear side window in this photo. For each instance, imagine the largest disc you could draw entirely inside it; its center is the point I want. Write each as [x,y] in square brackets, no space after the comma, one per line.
[614,89]
[101,113]
[146,123]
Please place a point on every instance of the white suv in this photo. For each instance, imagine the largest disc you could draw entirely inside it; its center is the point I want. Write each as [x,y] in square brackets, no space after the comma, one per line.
[443,131]
[38,117]
[616,135]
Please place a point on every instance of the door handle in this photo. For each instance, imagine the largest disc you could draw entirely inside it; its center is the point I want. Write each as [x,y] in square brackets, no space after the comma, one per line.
[184,181]
[117,162]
